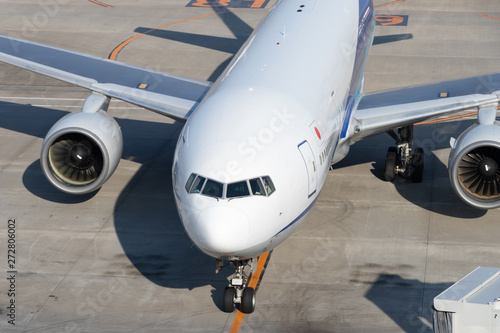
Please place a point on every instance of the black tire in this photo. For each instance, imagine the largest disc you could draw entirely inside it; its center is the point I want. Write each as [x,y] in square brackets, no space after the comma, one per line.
[228,302]
[248,300]
[390,164]
[418,166]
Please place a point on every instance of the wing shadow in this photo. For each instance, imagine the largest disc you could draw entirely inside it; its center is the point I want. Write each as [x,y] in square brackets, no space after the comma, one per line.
[240,30]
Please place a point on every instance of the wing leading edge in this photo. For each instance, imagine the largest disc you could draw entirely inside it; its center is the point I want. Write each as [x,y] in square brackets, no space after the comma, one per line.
[167,94]
[383,111]
[177,97]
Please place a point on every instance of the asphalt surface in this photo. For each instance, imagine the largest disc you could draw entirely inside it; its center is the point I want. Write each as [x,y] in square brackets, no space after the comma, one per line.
[371,256]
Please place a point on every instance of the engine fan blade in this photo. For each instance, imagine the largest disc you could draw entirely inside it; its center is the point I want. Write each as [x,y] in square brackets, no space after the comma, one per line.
[76,159]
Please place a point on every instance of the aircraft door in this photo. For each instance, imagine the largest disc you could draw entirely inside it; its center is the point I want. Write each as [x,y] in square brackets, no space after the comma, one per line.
[308,156]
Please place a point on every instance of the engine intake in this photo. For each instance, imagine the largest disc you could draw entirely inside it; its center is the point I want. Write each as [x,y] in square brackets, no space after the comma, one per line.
[474,166]
[478,172]
[82,150]
[76,159]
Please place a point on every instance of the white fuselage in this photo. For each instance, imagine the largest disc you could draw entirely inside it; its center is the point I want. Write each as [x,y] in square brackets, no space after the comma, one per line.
[278,110]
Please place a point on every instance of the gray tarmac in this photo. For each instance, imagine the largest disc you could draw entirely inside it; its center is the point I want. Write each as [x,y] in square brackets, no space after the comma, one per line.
[371,256]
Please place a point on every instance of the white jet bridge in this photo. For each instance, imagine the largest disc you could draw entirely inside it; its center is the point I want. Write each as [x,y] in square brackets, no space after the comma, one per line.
[470,305]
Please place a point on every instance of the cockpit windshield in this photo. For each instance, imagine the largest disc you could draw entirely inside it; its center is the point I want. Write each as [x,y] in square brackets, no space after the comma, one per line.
[213,189]
[268,185]
[257,188]
[197,185]
[238,189]
[262,186]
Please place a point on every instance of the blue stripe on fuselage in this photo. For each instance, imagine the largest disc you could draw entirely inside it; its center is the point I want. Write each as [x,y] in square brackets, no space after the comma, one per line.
[366,27]
[299,217]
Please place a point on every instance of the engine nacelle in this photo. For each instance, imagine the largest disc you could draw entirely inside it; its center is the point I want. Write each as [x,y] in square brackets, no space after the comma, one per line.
[474,166]
[82,150]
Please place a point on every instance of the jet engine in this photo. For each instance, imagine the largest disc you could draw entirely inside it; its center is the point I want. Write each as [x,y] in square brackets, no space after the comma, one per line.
[474,164]
[82,150]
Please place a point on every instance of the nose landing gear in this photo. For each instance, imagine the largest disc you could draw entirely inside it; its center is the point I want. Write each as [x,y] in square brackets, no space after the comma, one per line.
[238,290]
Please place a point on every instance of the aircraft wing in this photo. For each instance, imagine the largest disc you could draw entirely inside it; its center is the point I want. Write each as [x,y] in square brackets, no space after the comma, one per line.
[383,111]
[170,95]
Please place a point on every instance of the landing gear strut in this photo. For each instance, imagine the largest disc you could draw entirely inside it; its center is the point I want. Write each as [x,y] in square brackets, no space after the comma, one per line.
[238,290]
[400,160]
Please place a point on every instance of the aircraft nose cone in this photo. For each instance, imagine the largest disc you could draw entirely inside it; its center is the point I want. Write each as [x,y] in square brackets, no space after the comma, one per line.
[488,167]
[79,155]
[222,230]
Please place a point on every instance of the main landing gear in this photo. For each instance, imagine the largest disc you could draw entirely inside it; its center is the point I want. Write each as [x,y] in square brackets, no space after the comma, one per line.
[400,160]
[238,290]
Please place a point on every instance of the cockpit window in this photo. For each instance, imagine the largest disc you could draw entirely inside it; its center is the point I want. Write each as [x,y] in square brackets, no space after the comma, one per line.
[238,189]
[197,185]
[256,186]
[213,189]
[190,181]
[268,185]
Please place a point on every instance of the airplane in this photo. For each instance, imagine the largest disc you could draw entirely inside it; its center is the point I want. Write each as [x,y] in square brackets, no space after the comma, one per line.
[257,144]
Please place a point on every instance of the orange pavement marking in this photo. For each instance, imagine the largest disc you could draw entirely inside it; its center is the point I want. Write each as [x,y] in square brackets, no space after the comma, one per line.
[387,4]
[258,4]
[101,4]
[491,17]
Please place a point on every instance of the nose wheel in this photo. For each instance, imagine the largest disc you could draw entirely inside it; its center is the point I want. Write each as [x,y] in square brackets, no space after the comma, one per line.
[238,291]
[248,300]
[228,304]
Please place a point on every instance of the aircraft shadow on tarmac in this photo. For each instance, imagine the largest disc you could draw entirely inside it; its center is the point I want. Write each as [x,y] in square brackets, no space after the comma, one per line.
[391,38]
[435,192]
[145,217]
[151,233]
[407,302]
[240,30]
